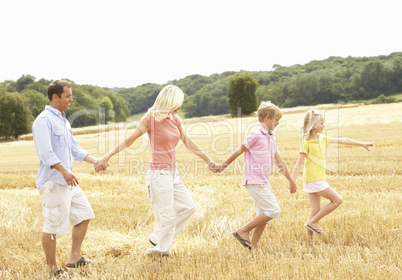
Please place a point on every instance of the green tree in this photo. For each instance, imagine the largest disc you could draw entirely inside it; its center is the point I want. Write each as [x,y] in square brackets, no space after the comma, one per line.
[326,90]
[141,98]
[106,112]
[211,99]
[24,81]
[189,108]
[191,84]
[84,109]
[397,75]
[119,106]
[15,116]
[40,86]
[10,85]
[382,99]
[36,101]
[272,93]
[302,90]
[373,79]
[242,94]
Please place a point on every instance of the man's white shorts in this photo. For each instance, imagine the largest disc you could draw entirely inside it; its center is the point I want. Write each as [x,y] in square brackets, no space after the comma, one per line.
[61,204]
[264,200]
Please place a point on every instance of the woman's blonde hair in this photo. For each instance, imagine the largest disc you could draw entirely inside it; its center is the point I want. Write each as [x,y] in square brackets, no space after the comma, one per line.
[310,119]
[169,99]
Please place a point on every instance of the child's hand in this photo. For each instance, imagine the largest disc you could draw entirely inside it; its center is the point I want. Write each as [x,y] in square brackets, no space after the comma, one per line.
[212,166]
[292,187]
[366,145]
[219,168]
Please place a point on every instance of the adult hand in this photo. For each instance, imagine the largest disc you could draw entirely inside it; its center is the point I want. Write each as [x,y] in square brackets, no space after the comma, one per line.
[101,164]
[70,178]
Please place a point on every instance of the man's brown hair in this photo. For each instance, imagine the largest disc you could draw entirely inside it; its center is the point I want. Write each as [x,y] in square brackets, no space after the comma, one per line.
[57,87]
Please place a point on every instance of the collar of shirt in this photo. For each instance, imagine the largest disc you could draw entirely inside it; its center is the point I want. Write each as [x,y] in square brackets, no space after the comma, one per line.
[55,111]
[319,137]
[264,131]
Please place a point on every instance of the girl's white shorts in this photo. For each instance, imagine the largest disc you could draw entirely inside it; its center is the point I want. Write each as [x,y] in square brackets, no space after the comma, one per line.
[315,186]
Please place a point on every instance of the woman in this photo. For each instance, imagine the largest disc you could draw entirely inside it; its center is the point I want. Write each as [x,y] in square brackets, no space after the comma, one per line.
[170,199]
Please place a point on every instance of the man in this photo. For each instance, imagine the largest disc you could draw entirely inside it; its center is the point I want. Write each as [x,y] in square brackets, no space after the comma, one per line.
[62,198]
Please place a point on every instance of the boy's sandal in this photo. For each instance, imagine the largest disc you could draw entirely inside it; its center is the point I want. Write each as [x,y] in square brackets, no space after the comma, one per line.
[81,262]
[60,273]
[242,241]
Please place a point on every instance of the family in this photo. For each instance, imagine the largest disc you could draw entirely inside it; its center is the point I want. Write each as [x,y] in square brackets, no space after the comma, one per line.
[64,200]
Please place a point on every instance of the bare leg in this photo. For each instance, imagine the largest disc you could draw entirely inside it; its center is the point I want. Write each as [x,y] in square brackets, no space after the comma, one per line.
[335,201]
[49,246]
[78,235]
[315,208]
[257,232]
[257,223]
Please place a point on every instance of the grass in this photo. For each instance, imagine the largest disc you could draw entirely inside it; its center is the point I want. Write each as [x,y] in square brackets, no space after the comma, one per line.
[362,238]
[398,97]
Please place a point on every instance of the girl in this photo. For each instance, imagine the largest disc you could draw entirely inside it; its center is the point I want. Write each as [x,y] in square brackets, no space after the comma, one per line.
[170,199]
[313,155]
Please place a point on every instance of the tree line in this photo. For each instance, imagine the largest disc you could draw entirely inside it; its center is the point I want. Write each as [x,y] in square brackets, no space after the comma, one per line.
[22,101]
[333,80]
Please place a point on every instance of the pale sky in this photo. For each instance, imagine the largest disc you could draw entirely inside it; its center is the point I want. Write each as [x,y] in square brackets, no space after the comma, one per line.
[122,43]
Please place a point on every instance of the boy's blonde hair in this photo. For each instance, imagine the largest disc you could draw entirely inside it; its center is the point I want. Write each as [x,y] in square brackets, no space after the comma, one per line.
[169,99]
[311,117]
[268,109]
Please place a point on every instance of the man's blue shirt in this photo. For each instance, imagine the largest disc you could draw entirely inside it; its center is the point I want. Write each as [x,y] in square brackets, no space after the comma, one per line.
[54,143]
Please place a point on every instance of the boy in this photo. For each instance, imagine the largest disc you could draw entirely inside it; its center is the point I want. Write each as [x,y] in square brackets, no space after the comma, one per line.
[260,151]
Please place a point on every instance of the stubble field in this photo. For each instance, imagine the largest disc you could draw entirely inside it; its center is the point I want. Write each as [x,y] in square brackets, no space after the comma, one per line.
[362,238]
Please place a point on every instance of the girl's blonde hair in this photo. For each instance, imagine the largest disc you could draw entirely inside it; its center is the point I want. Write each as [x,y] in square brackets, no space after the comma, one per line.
[169,99]
[310,119]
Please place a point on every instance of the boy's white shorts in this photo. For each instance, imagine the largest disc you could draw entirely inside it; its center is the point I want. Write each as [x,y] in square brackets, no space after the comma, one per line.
[264,200]
[61,204]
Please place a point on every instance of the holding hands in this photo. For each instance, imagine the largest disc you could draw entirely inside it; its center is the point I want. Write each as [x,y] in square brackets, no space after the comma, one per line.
[292,186]
[219,168]
[101,164]
[212,166]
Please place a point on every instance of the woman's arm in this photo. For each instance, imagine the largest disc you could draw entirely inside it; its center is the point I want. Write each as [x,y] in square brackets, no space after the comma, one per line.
[142,128]
[347,141]
[193,147]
